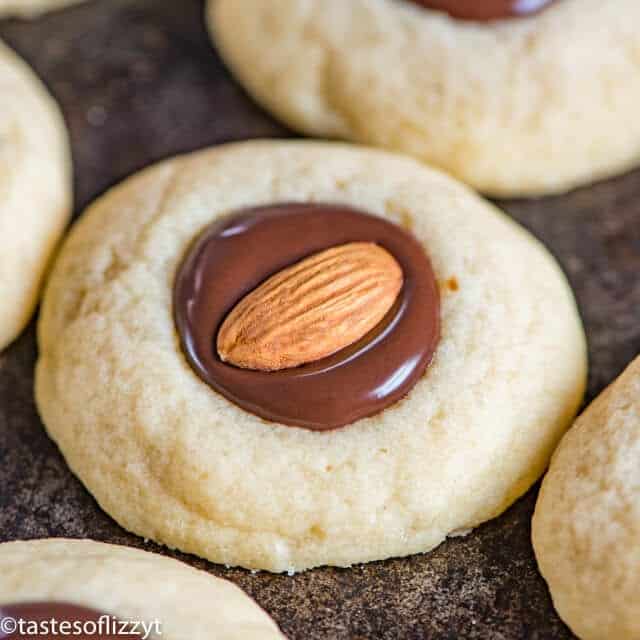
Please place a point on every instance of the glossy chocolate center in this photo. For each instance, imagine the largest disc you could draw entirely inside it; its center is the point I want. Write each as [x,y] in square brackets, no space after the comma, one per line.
[234,255]
[485,10]
[49,620]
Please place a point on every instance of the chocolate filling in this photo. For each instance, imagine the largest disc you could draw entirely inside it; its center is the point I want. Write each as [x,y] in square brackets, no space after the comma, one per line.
[485,10]
[234,255]
[56,620]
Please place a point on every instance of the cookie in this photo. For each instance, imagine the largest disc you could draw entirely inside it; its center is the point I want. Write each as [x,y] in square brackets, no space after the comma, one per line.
[586,527]
[35,193]
[530,105]
[101,587]
[31,8]
[434,421]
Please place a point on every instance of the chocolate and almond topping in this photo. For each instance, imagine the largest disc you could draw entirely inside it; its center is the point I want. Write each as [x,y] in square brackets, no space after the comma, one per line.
[310,315]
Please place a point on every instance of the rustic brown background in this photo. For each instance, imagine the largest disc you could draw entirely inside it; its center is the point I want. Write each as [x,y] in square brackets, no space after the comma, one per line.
[139,81]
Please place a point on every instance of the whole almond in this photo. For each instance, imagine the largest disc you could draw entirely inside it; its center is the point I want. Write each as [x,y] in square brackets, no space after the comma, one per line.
[311,309]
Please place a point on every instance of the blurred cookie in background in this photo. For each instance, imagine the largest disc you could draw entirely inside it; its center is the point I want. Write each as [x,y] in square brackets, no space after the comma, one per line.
[35,189]
[31,8]
[513,98]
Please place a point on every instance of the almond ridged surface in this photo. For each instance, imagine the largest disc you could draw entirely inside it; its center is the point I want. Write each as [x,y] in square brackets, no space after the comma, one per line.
[312,309]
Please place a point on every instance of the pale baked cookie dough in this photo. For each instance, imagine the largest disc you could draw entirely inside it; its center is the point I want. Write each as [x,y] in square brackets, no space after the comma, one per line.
[586,527]
[174,461]
[35,189]
[131,585]
[527,106]
[32,8]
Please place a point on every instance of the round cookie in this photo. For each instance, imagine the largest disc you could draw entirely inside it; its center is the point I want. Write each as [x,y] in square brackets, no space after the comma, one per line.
[174,600]
[586,527]
[525,106]
[172,460]
[35,189]
[31,8]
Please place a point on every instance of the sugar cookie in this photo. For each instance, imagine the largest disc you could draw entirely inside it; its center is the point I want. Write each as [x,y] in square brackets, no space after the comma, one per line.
[523,106]
[453,403]
[586,527]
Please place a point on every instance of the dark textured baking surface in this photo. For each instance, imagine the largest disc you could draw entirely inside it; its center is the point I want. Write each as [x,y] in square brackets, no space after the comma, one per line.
[138,81]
